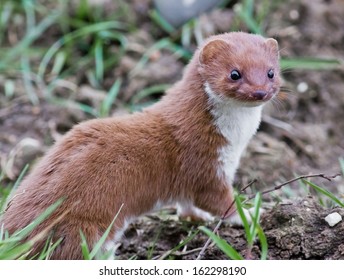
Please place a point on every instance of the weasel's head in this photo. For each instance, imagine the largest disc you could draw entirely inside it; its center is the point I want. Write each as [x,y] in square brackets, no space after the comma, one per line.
[240,67]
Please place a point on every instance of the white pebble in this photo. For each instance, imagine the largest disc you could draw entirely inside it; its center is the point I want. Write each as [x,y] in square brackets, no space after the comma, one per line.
[294,14]
[302,87]
[333,219]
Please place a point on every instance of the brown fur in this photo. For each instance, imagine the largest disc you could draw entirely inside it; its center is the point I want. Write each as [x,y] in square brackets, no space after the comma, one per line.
[166,153]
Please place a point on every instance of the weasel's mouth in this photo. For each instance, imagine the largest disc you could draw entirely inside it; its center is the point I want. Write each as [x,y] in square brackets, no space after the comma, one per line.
[260,95]
[256,98]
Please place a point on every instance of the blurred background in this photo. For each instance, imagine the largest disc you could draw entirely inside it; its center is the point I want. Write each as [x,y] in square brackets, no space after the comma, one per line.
[63,62]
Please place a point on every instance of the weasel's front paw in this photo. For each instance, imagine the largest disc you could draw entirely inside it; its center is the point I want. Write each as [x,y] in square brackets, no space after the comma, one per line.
[193,214]
[235,218]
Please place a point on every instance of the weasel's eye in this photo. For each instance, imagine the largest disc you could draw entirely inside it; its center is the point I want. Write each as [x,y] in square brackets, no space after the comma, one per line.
[271,74]
[235,75]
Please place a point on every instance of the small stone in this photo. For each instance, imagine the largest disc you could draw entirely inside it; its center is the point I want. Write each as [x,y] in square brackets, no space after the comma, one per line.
[294,14]
[302,87]
[333,219]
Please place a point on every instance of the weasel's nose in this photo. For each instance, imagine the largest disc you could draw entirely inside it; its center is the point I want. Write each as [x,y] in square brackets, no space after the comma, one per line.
[259,94]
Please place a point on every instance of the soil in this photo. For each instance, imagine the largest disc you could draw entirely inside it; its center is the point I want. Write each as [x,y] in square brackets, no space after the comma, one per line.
[293,230]
[301,134]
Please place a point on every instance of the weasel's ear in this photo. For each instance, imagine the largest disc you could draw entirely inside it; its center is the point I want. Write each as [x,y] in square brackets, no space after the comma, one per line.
[211,50]
[272,44]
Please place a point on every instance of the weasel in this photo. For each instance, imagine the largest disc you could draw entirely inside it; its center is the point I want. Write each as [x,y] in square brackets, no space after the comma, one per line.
[184,149]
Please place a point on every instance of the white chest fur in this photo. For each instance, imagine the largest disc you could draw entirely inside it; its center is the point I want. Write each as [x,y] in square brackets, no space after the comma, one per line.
[237,123]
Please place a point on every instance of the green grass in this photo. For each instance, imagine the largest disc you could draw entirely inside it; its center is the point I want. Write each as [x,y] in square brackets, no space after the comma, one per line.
[92,42]
[96,252]
[108,102]
[311,63]
[7,193]
[14,247]
[252,229]
[322,191]
[190,237]
[246,12]
[223,245]
[89,42]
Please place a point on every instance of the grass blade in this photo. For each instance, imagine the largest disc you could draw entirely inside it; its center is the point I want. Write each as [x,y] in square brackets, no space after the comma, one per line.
[309,63]
[20,177]
[48,249]
[16,252]
[26,71]
[110,98]
[186,34]
[222,244]
[245,11]
[4,202]
[149,91]
[99,61]
[164,43]
[59,62]
[180,245]
[255,218]
[22,233]
[29,38]
[5,15]
[74,105]
[263,243]
[325,192]
[81,32]
[162,22]
[153,244]
[30,14]
[240,210]
[102,240]
[84,247]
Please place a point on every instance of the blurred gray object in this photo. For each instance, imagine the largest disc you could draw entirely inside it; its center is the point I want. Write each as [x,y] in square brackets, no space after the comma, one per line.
[177,12]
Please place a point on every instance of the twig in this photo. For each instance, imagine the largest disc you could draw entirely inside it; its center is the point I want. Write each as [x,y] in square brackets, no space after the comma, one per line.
[321,175]
[248,185]
[226,214]
[185,253]
[206,245]
[176,253]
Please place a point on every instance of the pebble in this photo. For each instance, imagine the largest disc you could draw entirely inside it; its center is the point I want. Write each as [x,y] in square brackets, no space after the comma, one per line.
[333,219]
[302,87]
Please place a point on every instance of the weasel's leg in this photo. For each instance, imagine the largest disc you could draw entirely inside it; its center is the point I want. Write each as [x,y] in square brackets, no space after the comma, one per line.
[187,211]
[216,200]
[235,219]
